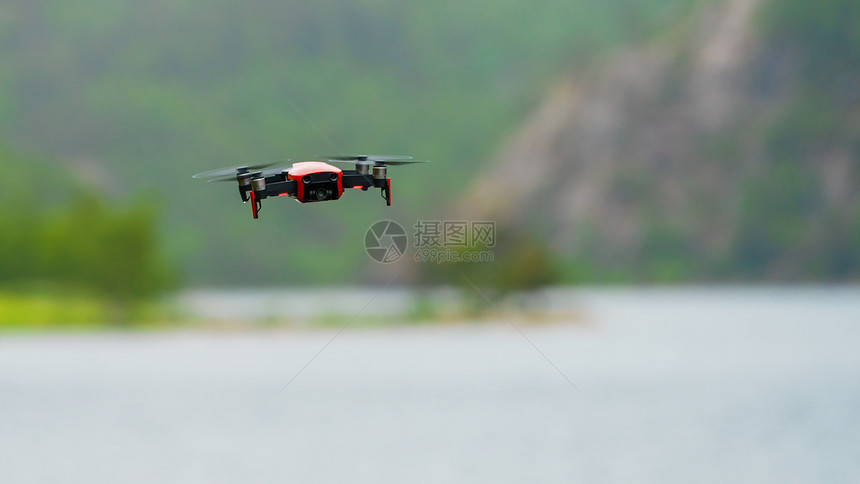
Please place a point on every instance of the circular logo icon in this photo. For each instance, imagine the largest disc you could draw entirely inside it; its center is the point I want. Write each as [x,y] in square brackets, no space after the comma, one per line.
[385,241]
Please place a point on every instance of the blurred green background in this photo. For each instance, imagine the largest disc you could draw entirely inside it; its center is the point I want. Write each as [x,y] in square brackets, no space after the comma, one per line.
[108,107]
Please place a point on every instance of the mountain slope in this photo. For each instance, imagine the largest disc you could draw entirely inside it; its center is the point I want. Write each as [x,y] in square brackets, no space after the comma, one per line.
[728,150]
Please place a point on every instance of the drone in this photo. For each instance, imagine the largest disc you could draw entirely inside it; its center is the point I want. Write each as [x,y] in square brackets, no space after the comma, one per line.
[310,181]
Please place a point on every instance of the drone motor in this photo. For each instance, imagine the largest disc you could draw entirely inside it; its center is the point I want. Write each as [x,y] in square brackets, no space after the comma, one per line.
[380,172]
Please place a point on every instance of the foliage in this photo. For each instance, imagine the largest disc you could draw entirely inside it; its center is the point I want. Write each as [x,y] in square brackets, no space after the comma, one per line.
[34,309]
[824,33]
[70,255]
[112,250]
[519,263]
[776,210]
[788,230]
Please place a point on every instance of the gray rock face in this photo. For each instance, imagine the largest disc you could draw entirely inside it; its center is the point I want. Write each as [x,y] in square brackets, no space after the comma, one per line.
[667,148]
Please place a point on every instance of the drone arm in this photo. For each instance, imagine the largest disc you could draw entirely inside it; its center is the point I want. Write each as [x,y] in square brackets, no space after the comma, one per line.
[285,188]
[271,188]
[351,179]
[260,189]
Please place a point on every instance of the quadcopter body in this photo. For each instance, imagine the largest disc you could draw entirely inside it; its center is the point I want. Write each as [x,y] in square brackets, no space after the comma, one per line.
[310,181]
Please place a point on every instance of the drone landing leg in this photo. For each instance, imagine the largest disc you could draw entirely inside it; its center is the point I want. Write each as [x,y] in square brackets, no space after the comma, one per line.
[256,205]
[386,192]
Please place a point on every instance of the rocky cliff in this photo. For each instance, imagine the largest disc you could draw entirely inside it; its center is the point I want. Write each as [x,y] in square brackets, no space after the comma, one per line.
[718,152]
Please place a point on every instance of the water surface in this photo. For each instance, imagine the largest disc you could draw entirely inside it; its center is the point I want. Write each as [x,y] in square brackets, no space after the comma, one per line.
[671,386]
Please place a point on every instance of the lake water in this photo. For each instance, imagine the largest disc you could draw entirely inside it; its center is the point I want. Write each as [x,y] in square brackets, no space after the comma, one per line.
[742,385]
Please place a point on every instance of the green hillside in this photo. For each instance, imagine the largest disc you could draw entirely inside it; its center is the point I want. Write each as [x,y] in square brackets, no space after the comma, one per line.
[152,92]
[728,152]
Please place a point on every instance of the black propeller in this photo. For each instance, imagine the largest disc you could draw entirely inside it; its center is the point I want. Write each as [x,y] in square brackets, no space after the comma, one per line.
[393,160]
[224,174]
[232,178]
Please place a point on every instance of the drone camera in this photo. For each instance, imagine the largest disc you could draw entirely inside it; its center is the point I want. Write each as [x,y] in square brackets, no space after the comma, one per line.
[318,187]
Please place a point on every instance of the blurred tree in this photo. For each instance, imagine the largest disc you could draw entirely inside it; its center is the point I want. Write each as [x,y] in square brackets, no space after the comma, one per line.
[825,33]
[90,243]
[518,264]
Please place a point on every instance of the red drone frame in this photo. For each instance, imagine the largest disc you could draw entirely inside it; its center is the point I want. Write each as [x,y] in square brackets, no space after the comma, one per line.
[310,181]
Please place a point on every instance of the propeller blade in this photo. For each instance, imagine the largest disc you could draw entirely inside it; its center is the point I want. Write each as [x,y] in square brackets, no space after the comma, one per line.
[390,158]
[342,157]
[349,162]
[373,162]
[404,162]
[233,171]
[369,158]
[264,174]
[222,179]
[276,171]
